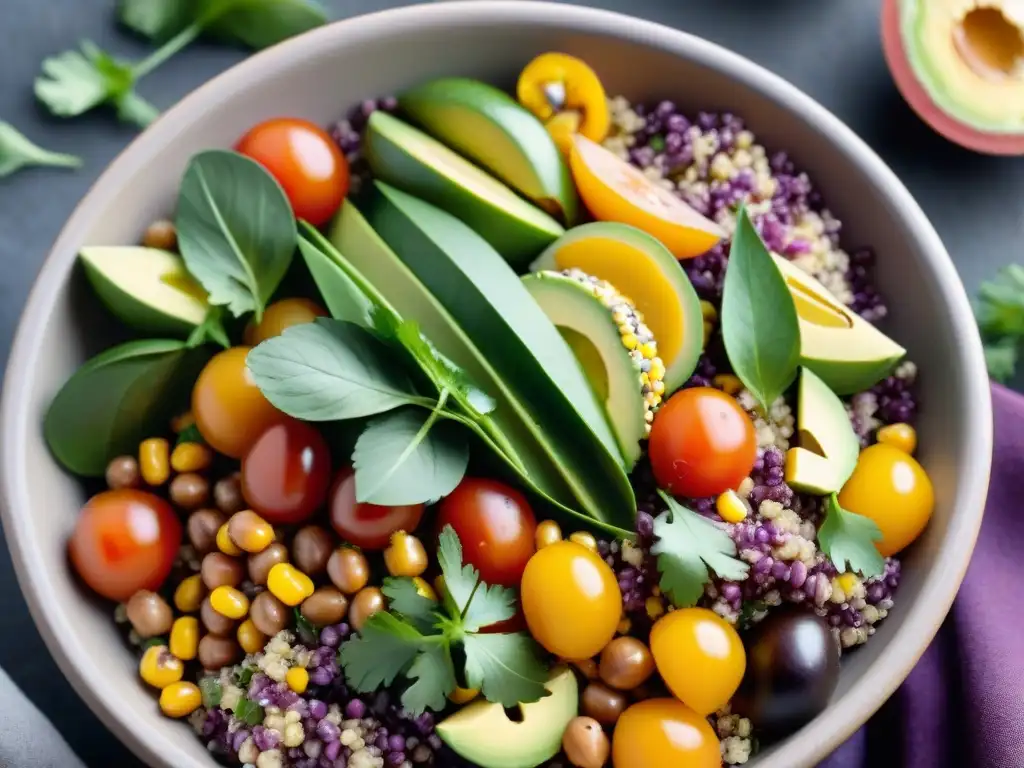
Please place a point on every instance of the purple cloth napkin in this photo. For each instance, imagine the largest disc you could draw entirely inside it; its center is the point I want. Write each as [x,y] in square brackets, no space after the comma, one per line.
[963,705]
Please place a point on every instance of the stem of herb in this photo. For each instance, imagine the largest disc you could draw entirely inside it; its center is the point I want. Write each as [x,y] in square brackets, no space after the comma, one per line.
[59,159]
[479,581]
[168,49]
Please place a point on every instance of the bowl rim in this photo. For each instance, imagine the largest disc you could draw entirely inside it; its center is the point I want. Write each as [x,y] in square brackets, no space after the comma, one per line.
[162,747]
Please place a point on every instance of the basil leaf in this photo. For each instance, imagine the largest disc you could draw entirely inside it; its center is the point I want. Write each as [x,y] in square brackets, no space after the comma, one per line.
[329,370]
[344,299]
[759,321]
[261,23]
[17,152]
[117,399]
[407,457]
[236,231]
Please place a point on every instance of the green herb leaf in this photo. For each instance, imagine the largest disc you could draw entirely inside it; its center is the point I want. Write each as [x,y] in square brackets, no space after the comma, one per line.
[304,625]
[212,692]
[478,604]
[434,676]
[1000,313]
[236,231]
[211,329]
[384,648]
[1001,359]
[244,675]
[149,642]
[190,434]
[847,539]
[687,546]
[261,23]
[759,321]
[344,299]
[327,371]
[156,19]
[507,669]
[249,712]
[404,598]
[17,152]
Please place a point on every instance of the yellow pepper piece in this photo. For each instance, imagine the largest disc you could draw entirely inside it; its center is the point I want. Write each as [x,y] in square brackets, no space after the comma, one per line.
[184,640]
[225,544]
[297,679]
[731,507]
[159,668]
[180,699]
[154,460]
[189,594]
[557,82]
[250,638]
[288,584]
[902,437]
[229,602]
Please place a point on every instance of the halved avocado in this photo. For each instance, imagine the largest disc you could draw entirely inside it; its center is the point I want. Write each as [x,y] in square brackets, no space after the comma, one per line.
[409,159]
[487,299]
[845,350]
[613,345]
[642,269]
[493,130]
[145,288]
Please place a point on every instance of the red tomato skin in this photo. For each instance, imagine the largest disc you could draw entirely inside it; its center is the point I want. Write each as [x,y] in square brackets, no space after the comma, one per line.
[286,473]
[306,162]
[495,526]
[368,526]
[702,443]
[125,540]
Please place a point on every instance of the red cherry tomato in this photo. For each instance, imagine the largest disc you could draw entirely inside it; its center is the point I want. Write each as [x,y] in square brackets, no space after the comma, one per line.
[306,162]
[495,526]
[368,526]
[124,541]
[286,473]
[517,623]
[702,443]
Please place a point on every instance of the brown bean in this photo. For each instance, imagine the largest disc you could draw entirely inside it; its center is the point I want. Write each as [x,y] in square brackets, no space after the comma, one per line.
[626,663]
[587,668]
[325,606]
[585,743]
[214,622]
[123,472]
[220,570]
[160,234]
[368,601]
[348,569]
[189,490]
[269,614]
[260,563]
[311,549]
[215,652]
[149,614]
[203,525]
[602,703]
[227,494]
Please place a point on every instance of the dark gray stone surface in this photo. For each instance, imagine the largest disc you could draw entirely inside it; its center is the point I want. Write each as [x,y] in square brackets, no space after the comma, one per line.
[830,49]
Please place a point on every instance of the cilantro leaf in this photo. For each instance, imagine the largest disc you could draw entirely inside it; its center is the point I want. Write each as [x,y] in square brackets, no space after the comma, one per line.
[17,152]
[383,649]
[506,668]
[479,604]
[190,434]
[1000,312]
[404,598]
[1001,359]
[687,546]
[249,712]
[434,677]
[211,690]
[847,539]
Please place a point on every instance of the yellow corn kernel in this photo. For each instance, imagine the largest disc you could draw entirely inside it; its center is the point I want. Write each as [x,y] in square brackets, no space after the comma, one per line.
[902,437]
[288,584]
[655,607]
[189,594]
[463,695]
[728,383]
[180,699]
[848,582]
[405,556]
[548,532]
[250,638]
[184,640]
[731,507]
[250,532]
[707,310]
[182,421]
[154,460]
[224,542]
[630,341]
[191,457]
[657,372]
[159,668]
[229,602]
[297,679]
[584,539]
[648,350]
[423,588]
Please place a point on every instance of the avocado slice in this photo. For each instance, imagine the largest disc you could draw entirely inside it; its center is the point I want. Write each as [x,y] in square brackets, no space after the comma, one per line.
[643,269]
[829,448]
[844,349]
[493,130]
[483,734]
[595,320]
[145,288]
[409,159]
[491,305]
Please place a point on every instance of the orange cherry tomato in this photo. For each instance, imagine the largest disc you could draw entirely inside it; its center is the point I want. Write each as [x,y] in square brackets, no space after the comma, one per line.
[699,656]
[658,733]
[306,162]
[229,409]
[368,526]
[495,526]
[890,487]
[702,443]
[281,315]
[286,473]
[571,600]
[124,540]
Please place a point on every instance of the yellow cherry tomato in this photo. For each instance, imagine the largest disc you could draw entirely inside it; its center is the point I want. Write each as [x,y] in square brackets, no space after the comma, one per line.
[699,656]
[891,488]
[664,732]
[571,600]
[555,84]
[280,315]
[902,436]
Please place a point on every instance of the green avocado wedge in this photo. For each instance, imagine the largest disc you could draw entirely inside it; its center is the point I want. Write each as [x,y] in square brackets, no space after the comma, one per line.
[117,399]
[493,130]
[409,159]
[496,312]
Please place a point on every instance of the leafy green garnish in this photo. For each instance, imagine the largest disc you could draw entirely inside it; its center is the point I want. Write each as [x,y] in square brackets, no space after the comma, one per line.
[245,674]
[17,152]
[249,712]
[343,297]
[847,539]
[150,642]
[1000,312]
[415,637]
[211,329]
[688,547]
[303,625]
[759,321]
[190,434]
[212,692]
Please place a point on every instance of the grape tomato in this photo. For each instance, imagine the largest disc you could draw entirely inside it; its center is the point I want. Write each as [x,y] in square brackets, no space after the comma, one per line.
[286,473]
[368,526]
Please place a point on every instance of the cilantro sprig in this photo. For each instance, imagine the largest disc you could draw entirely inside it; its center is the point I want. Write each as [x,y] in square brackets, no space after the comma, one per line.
[415,638]
[1000,312]
[847,539]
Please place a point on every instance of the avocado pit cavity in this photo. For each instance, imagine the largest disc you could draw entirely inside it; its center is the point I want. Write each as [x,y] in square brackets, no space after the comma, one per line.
[990,43]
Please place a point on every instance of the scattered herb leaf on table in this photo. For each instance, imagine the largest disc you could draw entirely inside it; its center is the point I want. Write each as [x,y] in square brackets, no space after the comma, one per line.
[847,539]
[17,152]
[1000,313]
